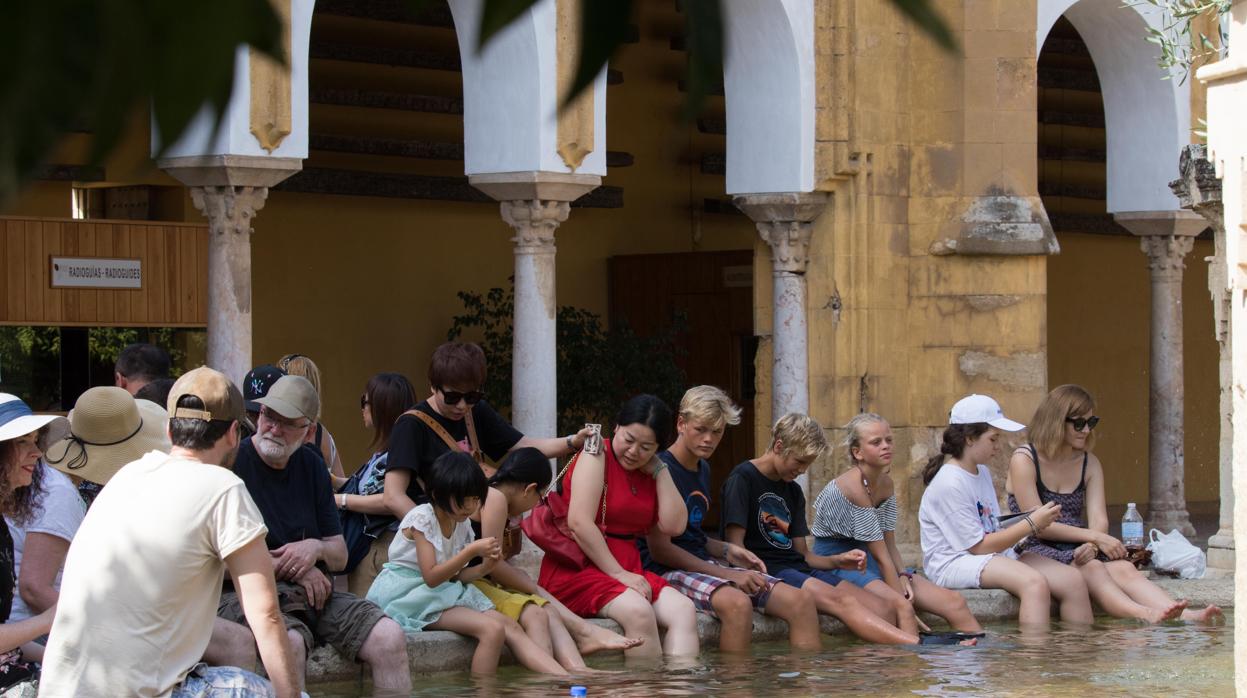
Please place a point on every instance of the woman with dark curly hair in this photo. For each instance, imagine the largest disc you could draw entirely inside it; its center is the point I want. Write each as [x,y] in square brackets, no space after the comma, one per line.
[21,435]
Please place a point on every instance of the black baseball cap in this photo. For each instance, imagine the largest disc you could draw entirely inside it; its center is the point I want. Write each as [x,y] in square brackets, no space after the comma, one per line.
[257,383]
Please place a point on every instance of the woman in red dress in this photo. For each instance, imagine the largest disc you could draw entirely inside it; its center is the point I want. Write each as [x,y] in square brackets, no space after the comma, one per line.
[638,494]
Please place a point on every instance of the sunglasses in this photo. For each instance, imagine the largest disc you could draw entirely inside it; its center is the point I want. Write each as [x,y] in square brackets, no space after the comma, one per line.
[363,400]
[453,397]
[1081,423]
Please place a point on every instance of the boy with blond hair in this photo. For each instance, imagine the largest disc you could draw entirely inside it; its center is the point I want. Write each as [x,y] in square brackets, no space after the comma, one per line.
[764,512]
[722,579]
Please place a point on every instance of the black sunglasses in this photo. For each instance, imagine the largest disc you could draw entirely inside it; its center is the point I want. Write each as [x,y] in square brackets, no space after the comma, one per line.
[453,397]
[1081,423]
[363,400]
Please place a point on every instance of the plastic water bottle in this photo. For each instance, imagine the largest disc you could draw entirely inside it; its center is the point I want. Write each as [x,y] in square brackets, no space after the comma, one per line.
[579,692]
[1132,527]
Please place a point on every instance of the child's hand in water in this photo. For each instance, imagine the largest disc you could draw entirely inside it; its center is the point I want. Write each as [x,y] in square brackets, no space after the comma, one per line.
[1045,515]
[487,548]
[851,560]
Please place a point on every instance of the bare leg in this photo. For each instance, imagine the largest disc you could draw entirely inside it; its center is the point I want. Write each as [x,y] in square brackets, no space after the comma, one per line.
[298,651]
[589,637]
[1116,602]
[1142,590]
[564,647]
[946,603]
[536,624]
[735,612]
[385,650]
[488,631]
[529,653]
[1066,585]
[799,610]
[841,602]
[676,614]
[635,614]
[902,609]
[231,644]
[1024,582]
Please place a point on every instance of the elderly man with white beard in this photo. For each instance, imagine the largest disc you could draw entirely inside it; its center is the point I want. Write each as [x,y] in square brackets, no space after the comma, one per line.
[290,485]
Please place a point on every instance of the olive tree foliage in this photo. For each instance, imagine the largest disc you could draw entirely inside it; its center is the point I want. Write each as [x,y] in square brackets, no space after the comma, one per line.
[1182,47]
[87,66]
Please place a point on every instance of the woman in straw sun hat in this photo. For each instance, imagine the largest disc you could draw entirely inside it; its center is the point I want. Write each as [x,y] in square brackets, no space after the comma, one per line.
[21,435]
[108,429]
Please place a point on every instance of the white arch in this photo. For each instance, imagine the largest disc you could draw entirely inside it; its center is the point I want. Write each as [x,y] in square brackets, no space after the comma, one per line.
[768,76]
[1147,118]
[510,95]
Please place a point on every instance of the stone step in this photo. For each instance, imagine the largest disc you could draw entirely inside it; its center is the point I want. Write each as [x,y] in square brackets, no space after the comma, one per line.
[439,651]
[405,58]
[414,186]
[420,149]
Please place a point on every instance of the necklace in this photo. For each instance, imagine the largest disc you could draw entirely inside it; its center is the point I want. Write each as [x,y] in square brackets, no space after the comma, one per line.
[866,484]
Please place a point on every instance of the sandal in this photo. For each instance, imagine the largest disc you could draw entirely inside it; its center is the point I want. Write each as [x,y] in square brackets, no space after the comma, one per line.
[946,637]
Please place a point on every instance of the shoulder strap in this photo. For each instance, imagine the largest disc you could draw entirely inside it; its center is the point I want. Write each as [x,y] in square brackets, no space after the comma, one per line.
[473,442]
[1082,479]
[437,428]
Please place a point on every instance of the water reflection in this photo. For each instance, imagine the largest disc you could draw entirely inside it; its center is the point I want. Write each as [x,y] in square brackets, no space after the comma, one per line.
[1112,658]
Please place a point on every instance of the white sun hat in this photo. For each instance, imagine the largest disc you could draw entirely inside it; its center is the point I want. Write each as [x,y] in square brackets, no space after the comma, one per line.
[976,409]
[17,419]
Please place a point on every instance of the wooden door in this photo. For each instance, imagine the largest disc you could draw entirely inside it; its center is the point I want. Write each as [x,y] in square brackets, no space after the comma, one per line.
[714,290]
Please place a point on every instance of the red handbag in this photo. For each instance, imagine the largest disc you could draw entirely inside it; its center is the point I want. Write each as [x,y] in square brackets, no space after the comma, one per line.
[547,527]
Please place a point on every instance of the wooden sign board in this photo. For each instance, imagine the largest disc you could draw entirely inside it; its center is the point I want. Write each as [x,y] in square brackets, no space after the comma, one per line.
[96,272]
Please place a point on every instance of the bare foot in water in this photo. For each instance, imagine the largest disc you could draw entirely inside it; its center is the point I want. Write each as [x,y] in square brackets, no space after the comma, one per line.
[1209,614]
[1170,612]
[970,642]
[599,639]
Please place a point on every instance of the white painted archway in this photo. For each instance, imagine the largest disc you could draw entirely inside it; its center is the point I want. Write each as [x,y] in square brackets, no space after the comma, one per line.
[1147,118]
[768,76]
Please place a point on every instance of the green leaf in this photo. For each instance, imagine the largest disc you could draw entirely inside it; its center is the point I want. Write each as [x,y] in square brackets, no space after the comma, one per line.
[496,15]
[604,27]
[924,15]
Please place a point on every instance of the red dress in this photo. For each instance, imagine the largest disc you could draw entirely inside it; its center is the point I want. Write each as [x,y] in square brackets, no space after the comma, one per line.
[631,510]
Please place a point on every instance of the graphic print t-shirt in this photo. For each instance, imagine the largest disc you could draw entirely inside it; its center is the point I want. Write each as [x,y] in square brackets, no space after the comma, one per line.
[772,512]
[694,489]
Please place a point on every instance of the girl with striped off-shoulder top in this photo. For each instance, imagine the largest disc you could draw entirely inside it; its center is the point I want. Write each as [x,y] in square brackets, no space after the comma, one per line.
[857,510]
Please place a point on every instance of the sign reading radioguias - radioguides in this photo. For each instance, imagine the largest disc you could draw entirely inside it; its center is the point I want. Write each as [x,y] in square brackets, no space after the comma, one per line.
[96,272]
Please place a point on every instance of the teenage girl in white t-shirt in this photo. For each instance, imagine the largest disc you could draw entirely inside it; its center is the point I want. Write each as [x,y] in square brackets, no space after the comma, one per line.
[963,544]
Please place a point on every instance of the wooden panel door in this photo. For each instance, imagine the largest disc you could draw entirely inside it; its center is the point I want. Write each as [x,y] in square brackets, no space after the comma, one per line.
[714,291]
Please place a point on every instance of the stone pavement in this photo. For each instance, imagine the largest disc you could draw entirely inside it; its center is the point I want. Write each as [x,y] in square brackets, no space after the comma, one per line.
[439,651]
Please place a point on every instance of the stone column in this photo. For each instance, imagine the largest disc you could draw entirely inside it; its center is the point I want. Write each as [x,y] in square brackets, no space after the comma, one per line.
[785,222]
[229,191]
[1167,237]
[534,204]
[1199,189]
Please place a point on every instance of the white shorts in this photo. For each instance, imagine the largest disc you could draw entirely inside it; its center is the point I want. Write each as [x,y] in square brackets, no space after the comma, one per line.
[964,572]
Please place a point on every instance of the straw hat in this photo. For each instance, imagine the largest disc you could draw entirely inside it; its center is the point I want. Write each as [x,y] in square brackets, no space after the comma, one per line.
[108,429]
[17,419]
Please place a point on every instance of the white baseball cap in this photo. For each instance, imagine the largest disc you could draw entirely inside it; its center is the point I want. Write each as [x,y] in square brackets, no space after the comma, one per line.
[975,409]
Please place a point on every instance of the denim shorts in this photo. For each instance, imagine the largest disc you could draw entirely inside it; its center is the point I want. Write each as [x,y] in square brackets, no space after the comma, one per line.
[222,682]
[835,546]
[797,578]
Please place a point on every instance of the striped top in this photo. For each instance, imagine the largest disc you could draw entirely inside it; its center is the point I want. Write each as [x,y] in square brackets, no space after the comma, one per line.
[836,517]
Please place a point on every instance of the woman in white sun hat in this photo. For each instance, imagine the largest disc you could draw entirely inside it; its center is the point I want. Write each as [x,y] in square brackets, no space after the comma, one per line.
[107,429]
[22,435]
[964,545]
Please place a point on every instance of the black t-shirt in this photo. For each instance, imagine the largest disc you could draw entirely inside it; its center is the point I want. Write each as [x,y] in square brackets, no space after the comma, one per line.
[772,512]
[694,487]
[296,501]
[414,446]
[8,580]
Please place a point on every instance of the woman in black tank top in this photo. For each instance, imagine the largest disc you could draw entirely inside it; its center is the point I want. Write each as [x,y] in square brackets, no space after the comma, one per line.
[1076,554]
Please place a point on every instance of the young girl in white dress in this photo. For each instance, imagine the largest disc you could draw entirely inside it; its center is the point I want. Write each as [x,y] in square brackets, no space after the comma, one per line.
[425,585]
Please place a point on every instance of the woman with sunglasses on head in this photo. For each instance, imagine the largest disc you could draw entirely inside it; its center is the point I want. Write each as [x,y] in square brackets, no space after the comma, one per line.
[1076,551]
[300,365]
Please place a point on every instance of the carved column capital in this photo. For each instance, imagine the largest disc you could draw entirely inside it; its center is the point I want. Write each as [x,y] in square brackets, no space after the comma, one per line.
[1166,253]
[534,222]
[229,209]
[786,223]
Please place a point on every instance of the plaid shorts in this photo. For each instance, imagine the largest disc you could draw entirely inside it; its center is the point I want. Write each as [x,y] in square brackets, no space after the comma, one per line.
[700,587]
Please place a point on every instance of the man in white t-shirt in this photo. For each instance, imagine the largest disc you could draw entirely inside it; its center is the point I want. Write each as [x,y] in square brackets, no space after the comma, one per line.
[143,576]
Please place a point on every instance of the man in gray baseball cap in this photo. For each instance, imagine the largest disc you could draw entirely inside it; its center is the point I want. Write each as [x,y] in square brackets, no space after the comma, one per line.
[290,484]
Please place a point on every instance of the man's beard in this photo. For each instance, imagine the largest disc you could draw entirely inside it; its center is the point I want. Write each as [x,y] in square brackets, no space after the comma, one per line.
[274,450]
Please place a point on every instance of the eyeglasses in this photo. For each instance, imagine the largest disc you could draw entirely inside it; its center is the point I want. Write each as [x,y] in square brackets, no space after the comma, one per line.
[1081,423]
[283,424]
[454,397]
[363,400]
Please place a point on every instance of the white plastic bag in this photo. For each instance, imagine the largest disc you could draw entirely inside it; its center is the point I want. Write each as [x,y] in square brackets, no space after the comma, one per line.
[1173,552]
